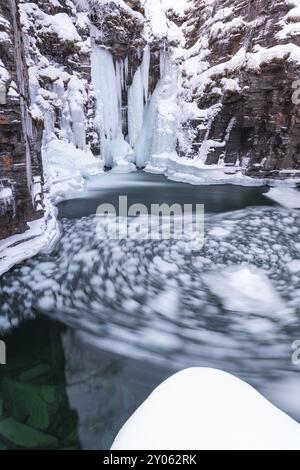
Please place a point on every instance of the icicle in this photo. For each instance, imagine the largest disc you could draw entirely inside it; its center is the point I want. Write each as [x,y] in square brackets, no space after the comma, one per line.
[7,199]
[121,67]
[135,107]
[76,98]
[145,70]
[119,88]
[126,72]
[137,97]
[163,62]
[107,86]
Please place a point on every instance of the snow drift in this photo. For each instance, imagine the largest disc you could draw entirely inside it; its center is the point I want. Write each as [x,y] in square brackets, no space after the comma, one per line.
[204,409]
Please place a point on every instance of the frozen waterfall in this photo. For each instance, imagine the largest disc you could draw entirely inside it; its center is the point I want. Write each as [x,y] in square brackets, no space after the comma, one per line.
[107,84]
[138,98]
[158,134]
[151,121]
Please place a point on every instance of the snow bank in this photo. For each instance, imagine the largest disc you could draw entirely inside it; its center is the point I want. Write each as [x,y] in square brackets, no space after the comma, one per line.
[244,289]
[204,408]
[194,171]
[66,171]
[42,235]
[67,168]
[61,24]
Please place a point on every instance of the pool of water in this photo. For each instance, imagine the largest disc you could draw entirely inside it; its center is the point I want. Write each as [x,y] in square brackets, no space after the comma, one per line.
[94,326]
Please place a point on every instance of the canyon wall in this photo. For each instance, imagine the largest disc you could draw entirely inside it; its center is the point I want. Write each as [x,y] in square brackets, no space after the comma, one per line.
[140,81]
[245,81]
[21,193]
[234,101]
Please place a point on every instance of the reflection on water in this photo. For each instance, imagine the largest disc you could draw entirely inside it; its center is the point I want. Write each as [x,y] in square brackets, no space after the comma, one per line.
[234,304]
[35,410]
[150,189]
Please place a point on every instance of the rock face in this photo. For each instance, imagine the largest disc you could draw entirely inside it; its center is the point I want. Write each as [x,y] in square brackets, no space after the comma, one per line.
[57,36]
[248,61]
[20,162]
[223,77]
[237,64]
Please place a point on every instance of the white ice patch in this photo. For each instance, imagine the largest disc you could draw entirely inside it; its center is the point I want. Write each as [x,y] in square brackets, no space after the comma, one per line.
[287,197]
[165,267]
[167,302]
[205,408]
[219,232]
[294,266]
[5,193]
[244,288]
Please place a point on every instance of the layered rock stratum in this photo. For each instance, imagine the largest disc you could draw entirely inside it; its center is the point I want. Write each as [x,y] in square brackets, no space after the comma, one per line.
[221,79]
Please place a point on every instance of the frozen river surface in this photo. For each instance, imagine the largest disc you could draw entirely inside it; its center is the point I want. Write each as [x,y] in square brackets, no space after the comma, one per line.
[233,304]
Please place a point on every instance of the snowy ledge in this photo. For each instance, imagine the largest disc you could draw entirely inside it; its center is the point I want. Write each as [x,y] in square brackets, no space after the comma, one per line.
[195,172]
[207,409]
[66,171]
[41,236]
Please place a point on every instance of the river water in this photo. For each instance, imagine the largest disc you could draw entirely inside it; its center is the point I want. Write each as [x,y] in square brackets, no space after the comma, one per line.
[102,322]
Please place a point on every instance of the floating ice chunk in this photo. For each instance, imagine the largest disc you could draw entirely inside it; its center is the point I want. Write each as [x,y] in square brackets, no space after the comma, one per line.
[219,232]
[166,303]
[245,289]
[165,267]
[204,408]
[287,197]
[46,303]
[294,266]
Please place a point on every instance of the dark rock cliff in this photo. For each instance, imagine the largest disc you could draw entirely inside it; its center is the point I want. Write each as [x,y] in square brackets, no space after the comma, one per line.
[20,141]
[258,117]
[237,62]
[245,106]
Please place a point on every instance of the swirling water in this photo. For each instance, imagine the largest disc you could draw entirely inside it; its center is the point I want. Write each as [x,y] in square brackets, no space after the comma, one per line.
[233,304]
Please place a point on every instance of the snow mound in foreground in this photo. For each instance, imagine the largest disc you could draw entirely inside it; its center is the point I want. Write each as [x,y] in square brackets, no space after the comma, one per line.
[203,408]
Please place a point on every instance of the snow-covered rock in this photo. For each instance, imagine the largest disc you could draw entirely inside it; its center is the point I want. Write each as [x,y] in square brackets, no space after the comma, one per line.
[204,409]
[67,168]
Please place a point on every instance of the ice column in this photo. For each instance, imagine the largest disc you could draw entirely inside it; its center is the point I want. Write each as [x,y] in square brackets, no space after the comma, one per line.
[158,133]
[137,98]
[107,84]
[76,99]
